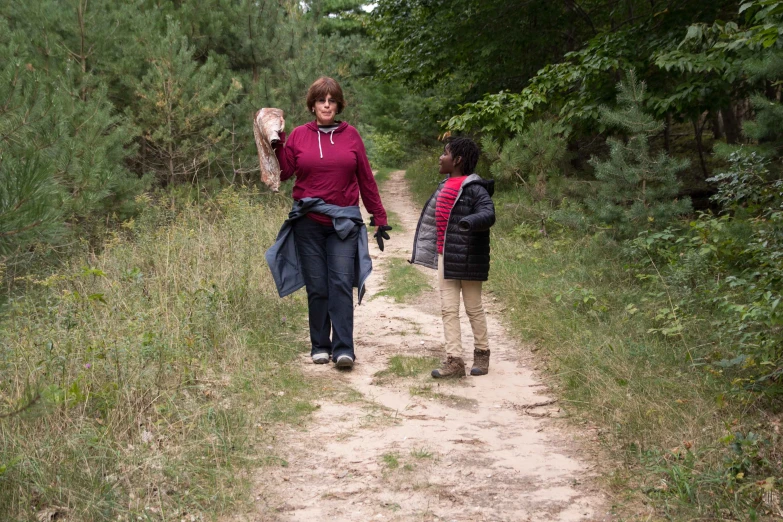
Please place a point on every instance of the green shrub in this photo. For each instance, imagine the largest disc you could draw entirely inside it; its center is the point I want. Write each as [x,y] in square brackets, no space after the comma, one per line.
[383,150]
[636,190]
[535,157]
[423,176]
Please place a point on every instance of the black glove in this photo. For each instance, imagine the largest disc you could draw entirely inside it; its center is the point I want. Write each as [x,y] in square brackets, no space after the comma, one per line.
[380,234]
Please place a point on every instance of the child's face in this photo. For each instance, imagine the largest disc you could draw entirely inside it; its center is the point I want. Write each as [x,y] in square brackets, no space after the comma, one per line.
[446,162]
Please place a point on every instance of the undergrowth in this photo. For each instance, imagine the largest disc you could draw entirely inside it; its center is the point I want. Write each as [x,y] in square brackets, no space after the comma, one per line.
[139,383]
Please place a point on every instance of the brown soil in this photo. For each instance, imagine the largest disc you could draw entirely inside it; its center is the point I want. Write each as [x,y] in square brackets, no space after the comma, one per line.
[405,449]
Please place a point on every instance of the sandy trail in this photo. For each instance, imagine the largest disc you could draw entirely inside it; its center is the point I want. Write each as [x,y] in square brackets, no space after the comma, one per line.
[419,449]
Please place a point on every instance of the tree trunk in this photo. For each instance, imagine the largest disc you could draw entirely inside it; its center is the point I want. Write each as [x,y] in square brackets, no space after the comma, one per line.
[667,133]
[171,163]
[771,90]
[731,125]
[143,155]
[698,129]
[717,125]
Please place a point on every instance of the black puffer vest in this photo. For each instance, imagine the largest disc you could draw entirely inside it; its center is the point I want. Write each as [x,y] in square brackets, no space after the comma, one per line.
[466,243]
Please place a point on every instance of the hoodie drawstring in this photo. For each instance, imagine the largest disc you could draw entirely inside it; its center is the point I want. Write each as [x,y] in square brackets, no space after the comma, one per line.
[331,140]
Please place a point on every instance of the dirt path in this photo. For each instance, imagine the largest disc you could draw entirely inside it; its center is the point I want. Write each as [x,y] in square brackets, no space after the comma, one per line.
[405,449]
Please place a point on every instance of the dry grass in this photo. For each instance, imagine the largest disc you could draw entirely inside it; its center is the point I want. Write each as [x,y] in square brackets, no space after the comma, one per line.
[154,371]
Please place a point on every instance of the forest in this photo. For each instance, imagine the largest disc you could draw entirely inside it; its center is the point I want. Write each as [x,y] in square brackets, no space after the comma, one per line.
[637,149]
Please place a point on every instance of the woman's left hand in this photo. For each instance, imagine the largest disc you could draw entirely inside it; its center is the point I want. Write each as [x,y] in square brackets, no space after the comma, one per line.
[381,234]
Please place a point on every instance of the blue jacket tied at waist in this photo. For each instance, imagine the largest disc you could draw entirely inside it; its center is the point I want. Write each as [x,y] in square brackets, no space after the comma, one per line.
[283,259]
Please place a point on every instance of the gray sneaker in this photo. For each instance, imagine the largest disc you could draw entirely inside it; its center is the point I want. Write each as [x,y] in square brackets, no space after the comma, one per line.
[320,358]
[344,362]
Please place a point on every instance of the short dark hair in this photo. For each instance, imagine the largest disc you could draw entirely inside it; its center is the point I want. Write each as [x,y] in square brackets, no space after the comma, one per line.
[467,149]
[322,87]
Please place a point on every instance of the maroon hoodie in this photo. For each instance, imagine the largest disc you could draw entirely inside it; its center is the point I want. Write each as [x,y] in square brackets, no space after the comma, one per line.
[332,166]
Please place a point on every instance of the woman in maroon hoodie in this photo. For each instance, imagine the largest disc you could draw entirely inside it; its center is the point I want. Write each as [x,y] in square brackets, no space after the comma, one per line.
[329,161]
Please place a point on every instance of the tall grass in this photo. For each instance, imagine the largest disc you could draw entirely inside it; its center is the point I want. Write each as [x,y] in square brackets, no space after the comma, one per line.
[683,440]
[678,432]
[139,382]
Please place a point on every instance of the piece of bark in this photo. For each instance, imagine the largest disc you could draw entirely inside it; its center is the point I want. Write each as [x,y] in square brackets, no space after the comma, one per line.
[267,126]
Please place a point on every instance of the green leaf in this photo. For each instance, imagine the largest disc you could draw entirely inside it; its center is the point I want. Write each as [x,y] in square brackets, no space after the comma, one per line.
[97,297]
[732,363]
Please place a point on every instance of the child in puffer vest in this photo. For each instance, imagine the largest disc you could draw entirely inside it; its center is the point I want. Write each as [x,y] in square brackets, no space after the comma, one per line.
[452,236]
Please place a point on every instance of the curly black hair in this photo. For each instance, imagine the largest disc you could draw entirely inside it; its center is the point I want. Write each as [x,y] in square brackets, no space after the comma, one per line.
[467,149]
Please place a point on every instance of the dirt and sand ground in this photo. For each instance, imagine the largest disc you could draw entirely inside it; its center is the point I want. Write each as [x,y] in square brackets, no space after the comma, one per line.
[416,449]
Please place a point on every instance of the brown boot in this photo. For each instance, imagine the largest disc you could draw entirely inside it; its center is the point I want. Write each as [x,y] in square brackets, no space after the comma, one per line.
[480,362]
[453,367]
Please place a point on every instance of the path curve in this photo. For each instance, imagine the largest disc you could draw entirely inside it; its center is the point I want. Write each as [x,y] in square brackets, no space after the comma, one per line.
[417,449]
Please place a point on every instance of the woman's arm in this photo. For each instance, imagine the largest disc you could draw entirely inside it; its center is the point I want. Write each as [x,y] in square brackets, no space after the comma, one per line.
[284,151]
[368,188]
[482,214]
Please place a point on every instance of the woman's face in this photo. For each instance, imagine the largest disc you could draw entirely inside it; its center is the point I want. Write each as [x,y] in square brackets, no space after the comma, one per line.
[325,110]
[446,162]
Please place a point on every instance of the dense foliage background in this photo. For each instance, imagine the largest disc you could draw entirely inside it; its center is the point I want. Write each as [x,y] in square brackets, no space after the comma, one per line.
[649,110]
[103,100]
[637,149]
[639,139]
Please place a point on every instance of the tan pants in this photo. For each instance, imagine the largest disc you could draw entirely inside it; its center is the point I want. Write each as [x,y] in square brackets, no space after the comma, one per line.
[449,305]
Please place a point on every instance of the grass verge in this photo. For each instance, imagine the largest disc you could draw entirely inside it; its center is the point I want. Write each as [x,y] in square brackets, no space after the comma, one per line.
[382,175]
[395,223]
[407,366]
[403,281]
[683,440]
[140,383]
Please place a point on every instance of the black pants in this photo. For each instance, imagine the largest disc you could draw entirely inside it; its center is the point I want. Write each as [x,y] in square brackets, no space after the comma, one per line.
[327,263]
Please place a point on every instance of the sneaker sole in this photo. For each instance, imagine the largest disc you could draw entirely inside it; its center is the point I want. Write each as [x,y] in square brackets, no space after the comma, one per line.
[322,359]
[344,363]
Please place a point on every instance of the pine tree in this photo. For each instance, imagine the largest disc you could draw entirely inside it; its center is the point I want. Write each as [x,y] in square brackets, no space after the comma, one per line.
[92,146]
[177,108]
[279,53]
[636,188]
[62,147]
[29,209]
[28,204]
[534,157]
[766,129]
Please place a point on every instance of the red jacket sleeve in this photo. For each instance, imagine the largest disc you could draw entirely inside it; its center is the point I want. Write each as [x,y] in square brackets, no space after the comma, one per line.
[367,186]
[285,156]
